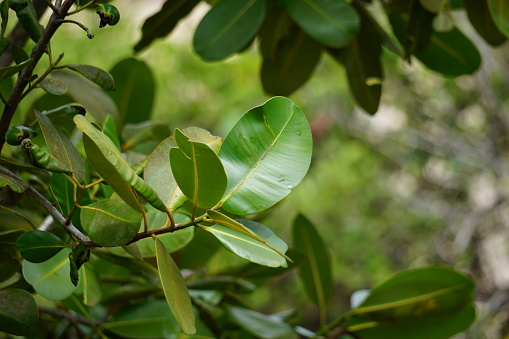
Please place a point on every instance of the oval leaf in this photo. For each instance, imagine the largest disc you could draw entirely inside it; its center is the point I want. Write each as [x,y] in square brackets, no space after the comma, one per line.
[265,155]
[175,289]
[315,269]
[18,311]
[331,22]
[110,222]
[248,248]
[7,72]
[53,86]
[228,27]
[198,171]
[61,147]
[109,163]
[51,278]
[39,246]
[499,10]
[480,17]
[96,75]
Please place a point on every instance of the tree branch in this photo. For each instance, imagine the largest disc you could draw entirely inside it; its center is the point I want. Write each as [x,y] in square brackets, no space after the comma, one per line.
[26,74]
[73,318]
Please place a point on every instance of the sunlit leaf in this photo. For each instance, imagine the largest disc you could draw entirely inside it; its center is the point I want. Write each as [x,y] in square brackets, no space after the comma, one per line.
[18,311]
[315,268]
[110,222]
[51,278]
[265,155]
[330,22]
[175,289]
[228,27]
[39,246]
[96,75]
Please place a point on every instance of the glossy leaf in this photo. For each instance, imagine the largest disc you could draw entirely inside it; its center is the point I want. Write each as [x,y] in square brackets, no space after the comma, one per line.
[110,222]
[109,163]
[265,155]
[499,10]
[261,325]
[15,185]
[363,67]
[95,100]
[7,72]
[61,147]
[431,302]
[330,22]
[51,278]
[152,319]
[315,269]
[53,86]
[96,75]
[228,27]
[18,311]
[479,15]
[135,91]
[164,21]
[292,64]
[198,171]
[175,289]
[248,248]
[39,246]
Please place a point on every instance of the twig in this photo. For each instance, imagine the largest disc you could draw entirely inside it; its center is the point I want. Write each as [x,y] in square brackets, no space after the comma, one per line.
[73,318]
[44,76]
[83,27]
[26,74]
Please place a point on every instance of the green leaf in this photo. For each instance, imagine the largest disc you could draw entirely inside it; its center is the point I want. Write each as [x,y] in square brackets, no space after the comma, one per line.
[499,10]
[315,269]
[330,22]
[110,222]
[7,72]
[18,186]
[133,250]
[9,266]
[228,27]
[92,289]
[205,137]
[478,12]
[175,289]
[151,319]
[265,155]
[18,311]
[110,130]
[39,246]
[292,63]
[61,147]
[51,278]
[361,59]
[164,21]
[53,86]
[135,91]
[109,163]
[198,171]
[261,325]
[18,54]
[95,100]
[96,75]
[248,248]
[432,6]
[430,302]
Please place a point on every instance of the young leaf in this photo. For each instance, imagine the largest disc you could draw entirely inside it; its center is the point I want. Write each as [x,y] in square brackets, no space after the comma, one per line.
[18,311]
[61,147]
[331,22]
[51,278]
[265,155]
[261,325]
[96,75]
[291,64]
[175,289]
[315,270]
[110,222]
[430,302]
[228,27]
[39,246]
[248,248]
[164,21]
[198,171]
[109,163]
[135,91]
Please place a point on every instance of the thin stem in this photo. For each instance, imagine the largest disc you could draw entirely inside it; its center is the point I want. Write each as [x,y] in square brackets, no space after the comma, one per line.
[335,323]
[83,27]
[91,2]
[44,76]
[50,5]
[66,315]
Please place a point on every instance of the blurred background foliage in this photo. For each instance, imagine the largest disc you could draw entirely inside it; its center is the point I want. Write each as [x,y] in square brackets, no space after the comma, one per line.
[425,180]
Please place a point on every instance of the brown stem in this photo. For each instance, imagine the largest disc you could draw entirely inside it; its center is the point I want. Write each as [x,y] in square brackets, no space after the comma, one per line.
[26,74]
